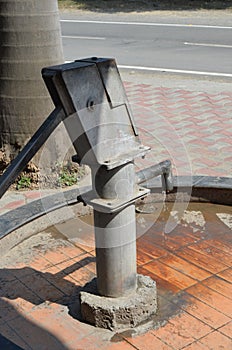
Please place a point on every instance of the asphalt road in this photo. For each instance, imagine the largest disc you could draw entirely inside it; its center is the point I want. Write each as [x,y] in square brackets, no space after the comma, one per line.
[197,49]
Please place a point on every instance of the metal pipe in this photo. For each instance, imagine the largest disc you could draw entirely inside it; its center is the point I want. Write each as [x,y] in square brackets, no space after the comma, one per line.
[163,169]
[31,148]
[115,233]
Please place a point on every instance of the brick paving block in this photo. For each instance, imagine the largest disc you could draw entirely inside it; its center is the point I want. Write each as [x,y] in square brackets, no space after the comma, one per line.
[165,272]
[207,263]
[42,287]
[205,172]
[205,313]
[196,107]
[93,253]
[43,312]
[56,256]
[161,240]
[175,338]
[147,342]
[83,240]
[196,346]
[185,267]
[219,285]
[88,261]
[227,329]
[143,258]
[6,276]
[34,335]
[84,247]
[89,342]
[123,345]
[211,298]
[209,251]
[32,195]
[11,196]
[13,338]
[62,325]
[217,341]
[189,324]
[151,249]
[161,283]
[14,204]
[39,263]
[23,304]
[180,237]
[72,251]
[17,296]
[67,287]
[68,266]
[8,311]
[220,245]
[81,276]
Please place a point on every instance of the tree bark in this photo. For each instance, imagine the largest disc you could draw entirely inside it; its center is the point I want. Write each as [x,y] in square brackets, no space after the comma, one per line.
[30,39]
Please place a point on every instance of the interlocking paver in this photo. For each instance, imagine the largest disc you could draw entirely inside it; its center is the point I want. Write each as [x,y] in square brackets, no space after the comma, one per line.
[189,324]
[206,313]
[11,338]
[219,285]
[192,111]
[217,341]
[196,346]
[227,329]
[185,267]
[207,263]
[212,298]
[175,277]
[147,341]
[210,252]
[176,338]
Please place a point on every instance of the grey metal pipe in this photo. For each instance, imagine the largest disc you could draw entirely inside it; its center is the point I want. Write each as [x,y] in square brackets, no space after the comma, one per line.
[163,169]
[31,148]
[115,240]
[115,233]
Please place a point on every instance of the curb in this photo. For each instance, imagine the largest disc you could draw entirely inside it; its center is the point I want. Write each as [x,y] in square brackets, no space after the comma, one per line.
[19,221]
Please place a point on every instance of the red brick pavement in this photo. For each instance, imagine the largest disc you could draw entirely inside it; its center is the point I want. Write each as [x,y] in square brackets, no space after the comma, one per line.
[39,308]
[193,129]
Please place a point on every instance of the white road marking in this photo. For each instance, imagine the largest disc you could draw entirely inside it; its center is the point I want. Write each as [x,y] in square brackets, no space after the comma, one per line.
[147,24]
[208,45]
[181,71]
[83,37]
[169,70]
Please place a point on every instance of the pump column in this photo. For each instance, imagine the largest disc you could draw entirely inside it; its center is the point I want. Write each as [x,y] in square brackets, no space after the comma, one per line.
[115,233]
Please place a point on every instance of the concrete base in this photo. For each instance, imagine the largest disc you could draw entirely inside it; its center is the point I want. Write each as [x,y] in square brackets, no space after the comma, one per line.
[120,313]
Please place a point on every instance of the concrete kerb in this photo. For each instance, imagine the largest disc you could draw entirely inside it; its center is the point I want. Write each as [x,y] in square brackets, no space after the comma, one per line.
[29,219]
[19,224]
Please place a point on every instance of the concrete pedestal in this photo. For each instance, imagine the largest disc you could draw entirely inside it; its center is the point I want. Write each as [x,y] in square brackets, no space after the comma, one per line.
[123,312]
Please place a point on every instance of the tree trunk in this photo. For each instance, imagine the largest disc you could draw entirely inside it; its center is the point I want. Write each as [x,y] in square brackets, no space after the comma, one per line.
[30,39]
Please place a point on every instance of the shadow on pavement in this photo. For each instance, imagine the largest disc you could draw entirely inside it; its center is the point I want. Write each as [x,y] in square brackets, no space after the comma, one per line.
[30,300]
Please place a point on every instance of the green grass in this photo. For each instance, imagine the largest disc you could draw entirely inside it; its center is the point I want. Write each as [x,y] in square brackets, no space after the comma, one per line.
[68,174]
[23,182]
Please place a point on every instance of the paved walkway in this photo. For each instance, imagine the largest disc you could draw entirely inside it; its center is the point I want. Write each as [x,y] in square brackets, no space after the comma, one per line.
[40,279]
[193,129]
